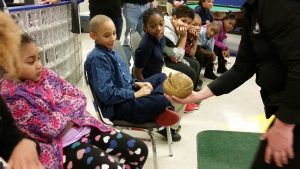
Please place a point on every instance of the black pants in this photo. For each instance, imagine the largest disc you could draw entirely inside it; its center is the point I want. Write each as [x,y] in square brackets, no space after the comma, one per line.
[147,108]
[192,71]
[205,62]
[197,68]
[221,60]
[94,150]
[259,162]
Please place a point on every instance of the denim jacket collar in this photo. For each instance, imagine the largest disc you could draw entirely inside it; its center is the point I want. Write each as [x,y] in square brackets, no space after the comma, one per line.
[101,47]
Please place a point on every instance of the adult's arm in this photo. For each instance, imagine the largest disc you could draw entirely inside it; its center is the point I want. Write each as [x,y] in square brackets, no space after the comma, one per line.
[242,70]
[289,52]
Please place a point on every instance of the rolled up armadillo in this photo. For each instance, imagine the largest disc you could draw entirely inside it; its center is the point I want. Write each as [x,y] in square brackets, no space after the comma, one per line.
[178,84]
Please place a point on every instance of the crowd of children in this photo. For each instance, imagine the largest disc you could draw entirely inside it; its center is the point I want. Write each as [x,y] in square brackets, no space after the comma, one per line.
[52,112]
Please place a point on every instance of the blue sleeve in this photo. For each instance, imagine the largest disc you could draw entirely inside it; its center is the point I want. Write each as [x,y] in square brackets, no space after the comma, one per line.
[211,44]
[142,55]
[104,86]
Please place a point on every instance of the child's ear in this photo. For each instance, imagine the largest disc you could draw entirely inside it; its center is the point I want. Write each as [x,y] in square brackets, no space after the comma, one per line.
[93,35]
[174,17]
[144,28]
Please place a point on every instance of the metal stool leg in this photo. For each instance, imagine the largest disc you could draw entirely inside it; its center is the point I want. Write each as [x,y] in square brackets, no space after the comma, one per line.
[153,149]
[170,141]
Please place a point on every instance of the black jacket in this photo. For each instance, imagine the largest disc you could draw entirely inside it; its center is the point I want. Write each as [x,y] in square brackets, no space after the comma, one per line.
[9,133]
[111,8]
[141,2]
[270,49]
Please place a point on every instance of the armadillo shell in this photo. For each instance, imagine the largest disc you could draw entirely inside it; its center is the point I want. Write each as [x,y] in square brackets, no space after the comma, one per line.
[178,84]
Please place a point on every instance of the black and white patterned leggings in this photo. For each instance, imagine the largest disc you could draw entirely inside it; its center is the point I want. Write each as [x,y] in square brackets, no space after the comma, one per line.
[93,151]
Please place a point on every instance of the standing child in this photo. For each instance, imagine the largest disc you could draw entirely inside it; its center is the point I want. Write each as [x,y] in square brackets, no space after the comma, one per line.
[205,49]
[113,9]
[203,10]
[53,112]
[120,97]
[171,4]
[221,49]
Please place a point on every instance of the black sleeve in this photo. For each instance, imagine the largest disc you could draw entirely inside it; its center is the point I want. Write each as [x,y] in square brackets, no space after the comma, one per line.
[10,136]
[242,70]
[287,45]
[169,43]
[142,54]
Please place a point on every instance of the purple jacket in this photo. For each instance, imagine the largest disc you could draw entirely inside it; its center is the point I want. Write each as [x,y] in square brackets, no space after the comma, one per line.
[219,39]
[42,110]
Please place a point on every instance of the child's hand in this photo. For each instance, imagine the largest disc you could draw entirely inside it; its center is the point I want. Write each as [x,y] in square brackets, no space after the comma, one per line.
[144,84]
[225,53]
[181,31]
[174,59]
[207,22]
[177,3]
[24,155]
[144,91]
[195,31]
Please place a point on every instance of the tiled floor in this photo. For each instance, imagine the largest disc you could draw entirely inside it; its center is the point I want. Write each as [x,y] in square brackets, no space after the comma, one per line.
[241,110]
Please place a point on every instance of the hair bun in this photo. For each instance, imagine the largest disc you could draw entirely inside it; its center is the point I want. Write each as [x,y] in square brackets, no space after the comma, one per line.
[178,84]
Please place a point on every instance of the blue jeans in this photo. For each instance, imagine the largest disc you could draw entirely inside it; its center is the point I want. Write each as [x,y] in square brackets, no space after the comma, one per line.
[118,21]
[147,108]
[133,16]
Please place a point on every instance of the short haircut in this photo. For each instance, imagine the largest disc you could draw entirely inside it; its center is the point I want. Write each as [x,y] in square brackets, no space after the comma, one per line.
[215,23]
[97,21]
[149,12]
[230,16]
[201,2]
[183,11]
[9,44]
[197,16]
[26,39]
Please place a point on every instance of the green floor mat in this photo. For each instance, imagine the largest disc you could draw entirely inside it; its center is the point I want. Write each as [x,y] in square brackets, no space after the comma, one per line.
[226,149]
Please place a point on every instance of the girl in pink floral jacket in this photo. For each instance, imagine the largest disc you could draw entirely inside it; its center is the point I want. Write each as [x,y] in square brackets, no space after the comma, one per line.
[53,112]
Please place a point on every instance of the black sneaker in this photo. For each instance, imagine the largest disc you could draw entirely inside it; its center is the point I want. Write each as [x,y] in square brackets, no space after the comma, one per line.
[210,75]
[221,70]
[198,88]
[175,136]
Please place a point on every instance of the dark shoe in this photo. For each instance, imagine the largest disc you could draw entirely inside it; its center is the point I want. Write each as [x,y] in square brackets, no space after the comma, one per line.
[200,82]
[167,118]
[221,70]
[198,88]
[175,135]
[178,129]
[210,75]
